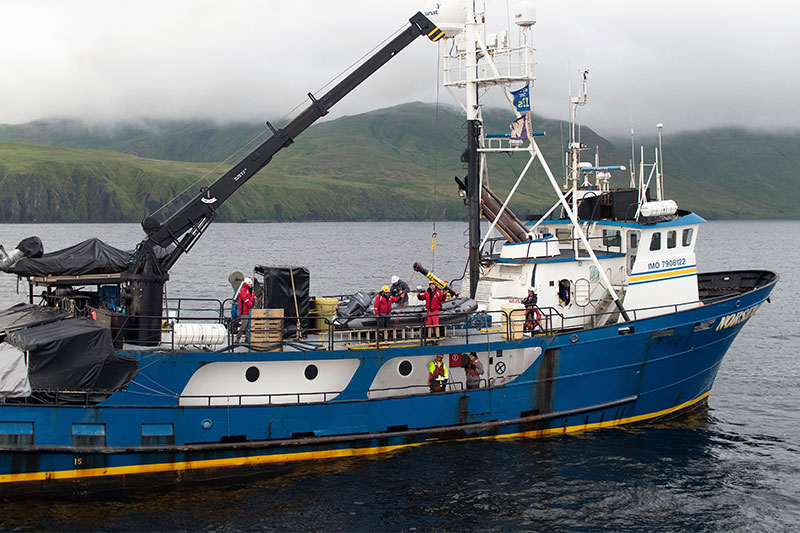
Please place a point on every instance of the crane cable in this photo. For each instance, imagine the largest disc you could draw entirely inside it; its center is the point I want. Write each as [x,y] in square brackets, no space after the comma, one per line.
[435,159]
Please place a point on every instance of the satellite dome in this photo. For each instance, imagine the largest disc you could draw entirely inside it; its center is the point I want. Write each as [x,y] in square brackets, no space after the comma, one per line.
[449,15]
[525,14]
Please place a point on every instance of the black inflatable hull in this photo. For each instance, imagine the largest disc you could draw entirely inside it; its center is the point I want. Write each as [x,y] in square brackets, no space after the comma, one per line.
[414,315]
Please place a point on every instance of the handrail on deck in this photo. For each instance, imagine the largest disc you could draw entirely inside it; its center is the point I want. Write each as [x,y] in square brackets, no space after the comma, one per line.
[510,325]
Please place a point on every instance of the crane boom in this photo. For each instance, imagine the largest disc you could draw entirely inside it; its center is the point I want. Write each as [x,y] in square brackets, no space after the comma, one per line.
[147,273]
[189,222]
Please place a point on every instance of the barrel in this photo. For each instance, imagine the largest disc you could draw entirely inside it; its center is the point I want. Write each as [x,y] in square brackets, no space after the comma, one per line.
[326,308]
[516,313]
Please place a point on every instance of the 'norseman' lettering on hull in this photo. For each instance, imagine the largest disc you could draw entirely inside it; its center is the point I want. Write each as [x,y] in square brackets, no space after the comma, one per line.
[736,318]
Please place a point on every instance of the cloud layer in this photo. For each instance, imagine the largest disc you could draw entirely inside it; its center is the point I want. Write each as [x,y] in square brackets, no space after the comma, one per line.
[687,64]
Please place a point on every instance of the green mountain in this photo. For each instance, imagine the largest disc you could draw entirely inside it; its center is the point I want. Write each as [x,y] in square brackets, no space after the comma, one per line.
[396,163]
[734,173]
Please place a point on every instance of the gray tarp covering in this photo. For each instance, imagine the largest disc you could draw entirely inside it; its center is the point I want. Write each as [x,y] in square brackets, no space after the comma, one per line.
[14,381]
[91,256]
[23,315]
[74,354]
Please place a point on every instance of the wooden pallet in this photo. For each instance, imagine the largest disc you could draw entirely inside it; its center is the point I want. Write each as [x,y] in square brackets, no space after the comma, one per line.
[266,329]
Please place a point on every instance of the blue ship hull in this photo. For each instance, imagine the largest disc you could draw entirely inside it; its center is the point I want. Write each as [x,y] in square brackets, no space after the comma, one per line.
[584,380]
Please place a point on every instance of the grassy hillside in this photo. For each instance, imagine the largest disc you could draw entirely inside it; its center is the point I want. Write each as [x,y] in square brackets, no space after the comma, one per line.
[396,163]
[46,184]
[737,173]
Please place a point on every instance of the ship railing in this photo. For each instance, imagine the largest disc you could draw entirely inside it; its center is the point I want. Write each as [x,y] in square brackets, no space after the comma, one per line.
[609,242]
[328,333]
[275,334]
[650,312]
[418,389]
[491,248]
[280,398]
[83,398]
[199,322]
[462,325]
[508,64]
[467,327]
[177,309]
[307,397]
[552,320]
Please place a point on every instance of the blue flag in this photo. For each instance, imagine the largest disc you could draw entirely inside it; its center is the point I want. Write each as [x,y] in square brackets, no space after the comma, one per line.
[522,99]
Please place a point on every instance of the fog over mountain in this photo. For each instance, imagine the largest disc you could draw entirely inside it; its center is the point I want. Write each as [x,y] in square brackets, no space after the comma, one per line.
[687,64]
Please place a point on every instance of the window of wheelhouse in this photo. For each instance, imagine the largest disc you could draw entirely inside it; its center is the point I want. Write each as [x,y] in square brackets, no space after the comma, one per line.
[611,237]
[672,239]
[655,241]
[687,236]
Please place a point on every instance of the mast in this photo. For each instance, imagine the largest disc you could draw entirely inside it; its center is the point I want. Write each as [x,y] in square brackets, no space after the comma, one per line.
[474,126]
[474,213]
[472,62]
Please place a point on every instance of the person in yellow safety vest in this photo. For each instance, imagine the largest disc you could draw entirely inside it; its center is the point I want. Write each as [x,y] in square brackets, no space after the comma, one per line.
[437,374]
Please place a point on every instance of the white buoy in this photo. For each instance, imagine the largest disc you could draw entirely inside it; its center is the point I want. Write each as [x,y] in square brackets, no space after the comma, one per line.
[659,209]
[186,334]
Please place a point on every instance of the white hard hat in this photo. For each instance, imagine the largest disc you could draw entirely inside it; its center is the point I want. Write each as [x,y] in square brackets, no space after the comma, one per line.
[395,279]
[248,281]
[531,289]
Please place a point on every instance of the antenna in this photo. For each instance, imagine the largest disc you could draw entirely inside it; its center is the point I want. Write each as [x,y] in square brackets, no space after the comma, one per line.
[657,168]
[633,161]
[660,127]
[642,192]
[575,142]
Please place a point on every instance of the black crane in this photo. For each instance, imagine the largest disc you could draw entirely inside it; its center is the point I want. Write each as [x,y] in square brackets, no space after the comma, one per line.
[148,273]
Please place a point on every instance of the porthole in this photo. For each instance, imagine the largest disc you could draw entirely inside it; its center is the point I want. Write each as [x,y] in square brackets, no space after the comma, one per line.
[311,372]
[405,368]
[252,374]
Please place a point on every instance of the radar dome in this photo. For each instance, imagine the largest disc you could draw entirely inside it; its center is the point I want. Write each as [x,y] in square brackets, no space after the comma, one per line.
[525,14]
[449,15]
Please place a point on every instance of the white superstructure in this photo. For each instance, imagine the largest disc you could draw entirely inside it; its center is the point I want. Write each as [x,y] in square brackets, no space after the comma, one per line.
[599,255]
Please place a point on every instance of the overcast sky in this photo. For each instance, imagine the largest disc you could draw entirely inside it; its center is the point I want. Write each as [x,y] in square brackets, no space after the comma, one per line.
[688,64]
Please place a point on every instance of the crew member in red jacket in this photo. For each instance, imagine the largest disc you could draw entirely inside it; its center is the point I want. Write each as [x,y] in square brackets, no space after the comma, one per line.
[433,298]
[246,299]
[383,306]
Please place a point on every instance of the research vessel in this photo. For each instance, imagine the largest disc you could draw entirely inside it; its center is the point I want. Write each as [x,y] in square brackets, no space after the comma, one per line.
[106,382]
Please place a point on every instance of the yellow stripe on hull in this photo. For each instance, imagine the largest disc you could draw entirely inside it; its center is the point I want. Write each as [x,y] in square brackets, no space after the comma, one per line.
[315,455]
[663,275]
[599,425]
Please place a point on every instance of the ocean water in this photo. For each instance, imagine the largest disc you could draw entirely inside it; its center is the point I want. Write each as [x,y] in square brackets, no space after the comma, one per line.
[732,467]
